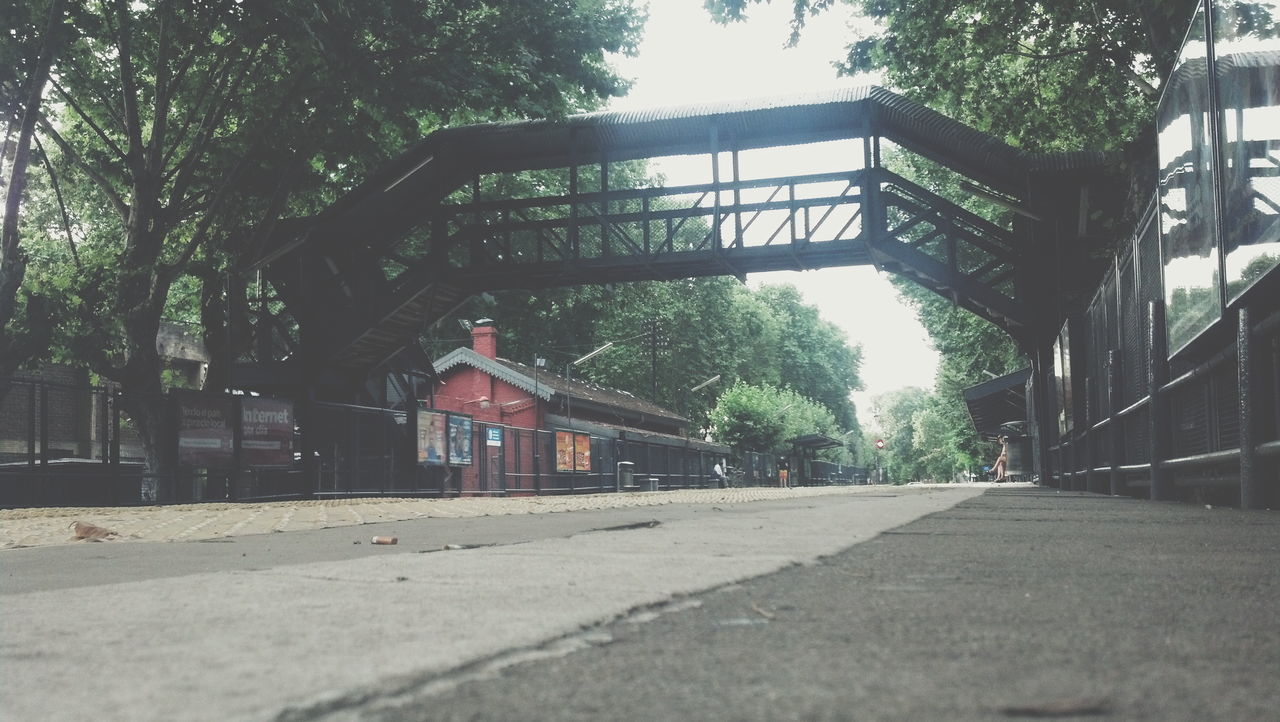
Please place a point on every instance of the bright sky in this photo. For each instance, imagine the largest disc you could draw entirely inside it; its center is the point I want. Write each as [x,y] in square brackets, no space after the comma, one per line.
[685,58]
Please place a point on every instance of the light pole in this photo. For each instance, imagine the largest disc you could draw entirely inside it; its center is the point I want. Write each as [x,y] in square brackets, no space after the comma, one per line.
[568,396]
[684,399]
[568,376]
[538,362]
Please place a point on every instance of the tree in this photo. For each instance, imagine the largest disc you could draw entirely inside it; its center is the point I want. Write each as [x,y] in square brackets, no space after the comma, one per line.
[763,418]
[27,62]
[228,114]
[1040,75]
[816,356]
[902,456]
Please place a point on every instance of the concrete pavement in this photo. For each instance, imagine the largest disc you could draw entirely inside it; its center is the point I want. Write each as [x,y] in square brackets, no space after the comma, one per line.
[237,643]
[37,527]
[886,603]
[1018,604]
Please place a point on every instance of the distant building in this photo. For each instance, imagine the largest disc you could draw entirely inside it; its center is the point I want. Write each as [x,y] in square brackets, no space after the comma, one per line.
[477,382]
[569,434]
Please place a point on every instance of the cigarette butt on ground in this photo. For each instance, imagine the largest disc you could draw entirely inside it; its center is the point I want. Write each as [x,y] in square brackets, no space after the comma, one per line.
[385,540]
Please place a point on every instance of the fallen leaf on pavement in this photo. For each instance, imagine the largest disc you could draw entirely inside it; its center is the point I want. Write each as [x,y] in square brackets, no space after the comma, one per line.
[84,530]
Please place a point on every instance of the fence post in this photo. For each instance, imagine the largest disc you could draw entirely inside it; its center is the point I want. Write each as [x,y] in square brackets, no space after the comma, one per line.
[1113,426]
[31,424]
[44,424]
[1089,451]
[1157,371]
[1250,482]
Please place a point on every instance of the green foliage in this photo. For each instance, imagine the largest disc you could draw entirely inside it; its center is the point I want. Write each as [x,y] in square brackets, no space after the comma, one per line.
[764,418]
[1040,75]
[896,413]
[670,336]
[177,132]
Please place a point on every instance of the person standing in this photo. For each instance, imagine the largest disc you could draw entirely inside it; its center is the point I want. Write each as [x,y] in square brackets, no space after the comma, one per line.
[1002,461]
[717,474]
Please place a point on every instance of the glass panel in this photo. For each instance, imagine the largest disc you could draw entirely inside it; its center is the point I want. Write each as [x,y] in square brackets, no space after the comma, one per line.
[1191,279]
[1246,38]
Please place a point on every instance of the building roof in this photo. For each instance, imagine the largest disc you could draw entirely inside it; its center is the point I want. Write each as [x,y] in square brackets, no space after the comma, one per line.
[998,401]
[814,442]
[545,385]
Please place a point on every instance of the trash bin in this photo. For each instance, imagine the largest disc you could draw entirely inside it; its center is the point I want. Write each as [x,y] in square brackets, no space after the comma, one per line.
[626,470]
[1018,463]
[649,483]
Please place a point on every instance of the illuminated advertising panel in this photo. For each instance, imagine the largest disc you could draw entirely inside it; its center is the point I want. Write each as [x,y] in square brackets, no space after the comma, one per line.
[431,428]
[573,451]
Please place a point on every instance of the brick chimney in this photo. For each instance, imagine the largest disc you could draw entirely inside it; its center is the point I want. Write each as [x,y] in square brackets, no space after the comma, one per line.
[484,340]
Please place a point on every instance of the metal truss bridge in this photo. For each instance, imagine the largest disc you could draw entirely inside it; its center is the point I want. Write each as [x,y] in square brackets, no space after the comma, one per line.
[538,204]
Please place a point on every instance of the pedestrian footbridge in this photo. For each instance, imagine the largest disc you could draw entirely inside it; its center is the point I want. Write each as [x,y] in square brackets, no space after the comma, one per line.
[573,201]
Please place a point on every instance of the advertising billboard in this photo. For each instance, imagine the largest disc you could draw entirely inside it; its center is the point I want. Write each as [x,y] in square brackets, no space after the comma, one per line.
[573,451]
[431,429]
[459,440]
[205,435]
[266,431]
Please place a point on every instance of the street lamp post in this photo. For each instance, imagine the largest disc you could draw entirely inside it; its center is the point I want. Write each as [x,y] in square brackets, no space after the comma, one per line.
[538,363]
[684,398]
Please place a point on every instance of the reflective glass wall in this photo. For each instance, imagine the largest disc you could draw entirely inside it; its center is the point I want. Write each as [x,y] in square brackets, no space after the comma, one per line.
[1246,45]
[1192,295]
[1219,152]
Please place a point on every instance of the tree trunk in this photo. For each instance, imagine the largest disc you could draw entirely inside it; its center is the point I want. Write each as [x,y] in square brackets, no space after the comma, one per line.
[154,423]
[14,350]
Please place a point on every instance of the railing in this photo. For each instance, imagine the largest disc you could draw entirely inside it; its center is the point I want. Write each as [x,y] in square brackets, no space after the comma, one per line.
[68,445]
[1216,451]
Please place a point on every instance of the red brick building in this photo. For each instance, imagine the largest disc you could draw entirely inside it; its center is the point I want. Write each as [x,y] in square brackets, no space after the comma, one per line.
[476,381]
[536,409]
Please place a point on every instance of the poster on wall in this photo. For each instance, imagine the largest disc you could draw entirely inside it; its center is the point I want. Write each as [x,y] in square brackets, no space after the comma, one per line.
[459,440]
[564,451]
[581,452]
[431,427]
[493,436]
[266,431]
[573,451]
[204,430]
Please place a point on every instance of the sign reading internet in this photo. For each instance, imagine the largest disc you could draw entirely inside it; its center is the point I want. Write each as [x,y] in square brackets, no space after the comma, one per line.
[266,431]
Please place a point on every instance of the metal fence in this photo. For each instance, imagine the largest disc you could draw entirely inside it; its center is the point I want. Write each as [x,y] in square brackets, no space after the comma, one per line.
[1200,425]
[62,445]
[1168,381]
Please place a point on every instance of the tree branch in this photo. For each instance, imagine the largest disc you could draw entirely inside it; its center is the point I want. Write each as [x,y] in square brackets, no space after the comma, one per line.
[160,123]
[213,76]
[102,135]
[213,117]
[129,91]
[103,184]
[62,206]
[104,98]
